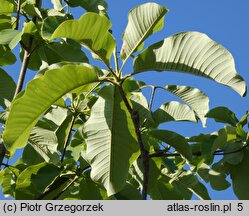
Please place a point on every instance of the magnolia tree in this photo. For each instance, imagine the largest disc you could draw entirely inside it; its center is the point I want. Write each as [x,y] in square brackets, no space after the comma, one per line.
[88,132]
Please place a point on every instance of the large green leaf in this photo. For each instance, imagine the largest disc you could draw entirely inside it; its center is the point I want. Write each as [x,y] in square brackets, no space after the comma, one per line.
[195,98]
[40,94]
[224,115]
[173,111]
[194,53]
[240,176]
[111,141]
[92,30]
[7,88]
[175,140]
[143,21]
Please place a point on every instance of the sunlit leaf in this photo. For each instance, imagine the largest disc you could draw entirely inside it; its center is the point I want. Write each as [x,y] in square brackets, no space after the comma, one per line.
[193,53]
[92,31]
[173,111]
[143,21]
[195,98]
[40,94]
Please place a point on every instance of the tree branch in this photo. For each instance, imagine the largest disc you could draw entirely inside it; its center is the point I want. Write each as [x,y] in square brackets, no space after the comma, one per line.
[144,153]
[198,153]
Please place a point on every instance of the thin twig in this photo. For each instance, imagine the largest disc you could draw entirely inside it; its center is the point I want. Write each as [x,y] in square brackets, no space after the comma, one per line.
[144,152]
[68,138]
[23,71]
[116,62]
[18,14]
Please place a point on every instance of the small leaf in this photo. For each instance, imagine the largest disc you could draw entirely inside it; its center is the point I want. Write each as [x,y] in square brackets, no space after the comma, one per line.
[173,111]
[193,53]
[224,115]
[92,30]
[40,94]
[175,140]
[143,21]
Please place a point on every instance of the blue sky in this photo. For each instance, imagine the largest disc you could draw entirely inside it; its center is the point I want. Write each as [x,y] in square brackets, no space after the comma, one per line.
[225,21]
